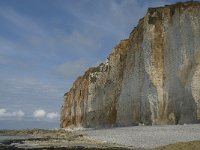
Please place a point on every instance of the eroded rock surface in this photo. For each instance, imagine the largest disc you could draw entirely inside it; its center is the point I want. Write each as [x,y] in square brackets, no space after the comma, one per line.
[153,77]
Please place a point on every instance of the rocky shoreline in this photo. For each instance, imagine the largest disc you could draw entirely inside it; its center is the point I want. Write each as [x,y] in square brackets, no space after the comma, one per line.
[61,139]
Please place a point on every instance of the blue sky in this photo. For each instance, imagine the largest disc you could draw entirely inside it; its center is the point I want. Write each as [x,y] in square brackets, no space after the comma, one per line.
[46,44]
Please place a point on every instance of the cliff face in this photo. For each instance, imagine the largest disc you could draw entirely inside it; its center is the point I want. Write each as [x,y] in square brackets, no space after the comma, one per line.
[151,78]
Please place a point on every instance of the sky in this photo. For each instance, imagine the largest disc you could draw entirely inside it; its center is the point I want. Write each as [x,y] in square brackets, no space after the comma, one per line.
[46,44]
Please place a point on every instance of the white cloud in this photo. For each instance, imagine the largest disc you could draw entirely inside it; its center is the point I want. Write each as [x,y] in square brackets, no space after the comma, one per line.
[42,114]
[39,113]
[52,115]
[5,113]
[18,113]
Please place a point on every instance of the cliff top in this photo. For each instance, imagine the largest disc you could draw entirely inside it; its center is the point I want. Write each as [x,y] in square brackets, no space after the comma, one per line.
[177,5]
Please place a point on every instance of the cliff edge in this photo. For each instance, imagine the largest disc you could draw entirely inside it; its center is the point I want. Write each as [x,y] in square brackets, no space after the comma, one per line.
[153,77]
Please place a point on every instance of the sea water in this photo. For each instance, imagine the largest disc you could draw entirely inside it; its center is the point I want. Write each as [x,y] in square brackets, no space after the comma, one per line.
[3,138]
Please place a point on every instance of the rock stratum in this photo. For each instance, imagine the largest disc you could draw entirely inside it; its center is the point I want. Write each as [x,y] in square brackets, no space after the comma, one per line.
[151,78]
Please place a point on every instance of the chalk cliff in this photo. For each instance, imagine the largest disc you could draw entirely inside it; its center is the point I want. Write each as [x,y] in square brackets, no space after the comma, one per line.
[153,77]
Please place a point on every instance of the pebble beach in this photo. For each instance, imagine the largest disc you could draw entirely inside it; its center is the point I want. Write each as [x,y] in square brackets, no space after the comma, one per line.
[147,136]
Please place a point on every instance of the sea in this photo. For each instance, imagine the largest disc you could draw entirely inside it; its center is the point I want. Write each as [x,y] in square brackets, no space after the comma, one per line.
[22,124]
[3,138]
